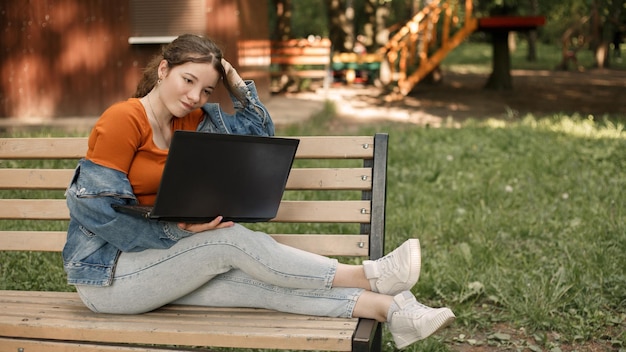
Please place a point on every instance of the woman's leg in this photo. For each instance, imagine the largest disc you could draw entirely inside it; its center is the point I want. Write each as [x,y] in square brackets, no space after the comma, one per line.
[409,320]
[236,267]
[149,279]
[237,289]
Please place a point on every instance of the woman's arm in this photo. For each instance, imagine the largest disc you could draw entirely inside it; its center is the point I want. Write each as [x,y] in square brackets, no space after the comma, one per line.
[251,116]
[90,196]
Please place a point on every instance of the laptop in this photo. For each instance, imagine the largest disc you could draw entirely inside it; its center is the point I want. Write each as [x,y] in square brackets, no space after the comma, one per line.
[239,177]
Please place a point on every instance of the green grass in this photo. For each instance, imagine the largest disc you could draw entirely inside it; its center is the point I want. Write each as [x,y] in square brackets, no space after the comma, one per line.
[521,223]
[522,226]
[475,57]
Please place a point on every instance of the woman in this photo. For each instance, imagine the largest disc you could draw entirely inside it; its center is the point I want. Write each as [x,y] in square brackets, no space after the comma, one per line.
[119,263]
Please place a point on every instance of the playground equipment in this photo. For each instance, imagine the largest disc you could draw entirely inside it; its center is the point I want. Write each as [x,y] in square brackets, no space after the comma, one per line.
[419,46]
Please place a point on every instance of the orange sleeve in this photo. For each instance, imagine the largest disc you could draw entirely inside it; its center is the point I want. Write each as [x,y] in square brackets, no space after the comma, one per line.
[118,134]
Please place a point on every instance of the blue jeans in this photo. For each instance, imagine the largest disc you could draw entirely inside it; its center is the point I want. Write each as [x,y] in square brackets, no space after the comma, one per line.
[231,267]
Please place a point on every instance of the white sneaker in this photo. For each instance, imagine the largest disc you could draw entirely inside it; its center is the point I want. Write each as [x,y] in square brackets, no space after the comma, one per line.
[397,271]
[414,321]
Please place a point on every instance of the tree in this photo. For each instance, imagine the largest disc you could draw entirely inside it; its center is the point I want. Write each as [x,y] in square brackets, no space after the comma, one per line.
[282,11]
[500,77]
[607,18]
[340,16]
[531,36]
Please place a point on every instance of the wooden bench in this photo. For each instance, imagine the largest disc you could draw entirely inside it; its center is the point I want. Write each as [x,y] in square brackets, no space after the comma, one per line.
[296,63]
[300,58]
[355,68]
[337,198]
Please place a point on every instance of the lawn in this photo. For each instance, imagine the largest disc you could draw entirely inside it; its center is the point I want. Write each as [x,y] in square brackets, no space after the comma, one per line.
[522,226]
[475,57]
[521,223]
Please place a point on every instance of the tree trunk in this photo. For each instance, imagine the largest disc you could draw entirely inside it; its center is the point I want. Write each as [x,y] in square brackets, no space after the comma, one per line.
[382,33]
[416,6]
[531,36]
[283,9]
[606,22]
[500,78]
[369,29]
[601,55]
[339,24]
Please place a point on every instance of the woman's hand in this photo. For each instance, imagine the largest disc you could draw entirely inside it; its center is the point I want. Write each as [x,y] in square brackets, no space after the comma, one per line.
[232,76]
[215,224]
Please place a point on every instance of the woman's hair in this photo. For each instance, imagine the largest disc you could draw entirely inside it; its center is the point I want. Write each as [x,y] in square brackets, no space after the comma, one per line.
[185,48]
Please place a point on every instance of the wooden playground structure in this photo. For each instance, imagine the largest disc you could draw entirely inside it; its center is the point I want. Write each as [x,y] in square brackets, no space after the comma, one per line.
[415,49]
[418,48]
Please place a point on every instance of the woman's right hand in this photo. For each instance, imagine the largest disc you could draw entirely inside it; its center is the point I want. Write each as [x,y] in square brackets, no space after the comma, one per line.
[232,76]
[215,224]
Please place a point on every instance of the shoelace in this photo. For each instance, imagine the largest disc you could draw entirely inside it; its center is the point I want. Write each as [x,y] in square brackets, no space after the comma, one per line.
[389,265]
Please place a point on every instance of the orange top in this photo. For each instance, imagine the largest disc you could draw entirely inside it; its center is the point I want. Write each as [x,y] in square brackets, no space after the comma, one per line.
[122,140]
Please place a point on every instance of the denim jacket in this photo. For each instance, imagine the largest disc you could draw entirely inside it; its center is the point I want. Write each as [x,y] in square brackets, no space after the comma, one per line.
[252,120]
[97,234]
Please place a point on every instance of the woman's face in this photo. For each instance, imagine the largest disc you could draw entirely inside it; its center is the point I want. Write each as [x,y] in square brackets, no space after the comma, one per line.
[186,87]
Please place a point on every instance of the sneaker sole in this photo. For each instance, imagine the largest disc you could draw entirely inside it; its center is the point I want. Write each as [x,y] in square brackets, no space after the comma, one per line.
[440,321]
[416,260]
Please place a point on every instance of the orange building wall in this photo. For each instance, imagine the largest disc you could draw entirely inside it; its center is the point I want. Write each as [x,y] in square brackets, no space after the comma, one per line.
[67,58]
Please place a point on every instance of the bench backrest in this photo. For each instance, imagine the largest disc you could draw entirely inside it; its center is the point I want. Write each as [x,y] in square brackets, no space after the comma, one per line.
[335,180]
[300,58]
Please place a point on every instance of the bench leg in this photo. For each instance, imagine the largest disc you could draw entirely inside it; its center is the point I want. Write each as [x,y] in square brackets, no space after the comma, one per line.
[368,336]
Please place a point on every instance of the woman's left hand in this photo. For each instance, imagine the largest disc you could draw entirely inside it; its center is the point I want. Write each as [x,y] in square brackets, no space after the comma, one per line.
[215,224]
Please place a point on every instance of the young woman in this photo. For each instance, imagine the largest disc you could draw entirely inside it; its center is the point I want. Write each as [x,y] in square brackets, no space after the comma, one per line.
[127,265]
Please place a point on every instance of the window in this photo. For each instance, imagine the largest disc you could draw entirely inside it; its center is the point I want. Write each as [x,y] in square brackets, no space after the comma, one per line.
[160,21]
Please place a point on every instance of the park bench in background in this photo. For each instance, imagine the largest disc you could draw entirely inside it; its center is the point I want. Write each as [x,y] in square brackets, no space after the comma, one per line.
[356,68]
[348,187]
[298,59]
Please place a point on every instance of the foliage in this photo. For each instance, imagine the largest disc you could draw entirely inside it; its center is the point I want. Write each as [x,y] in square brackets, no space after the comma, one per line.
[475,56]
[603,18]
[309,17]
[509,205]
[520,222]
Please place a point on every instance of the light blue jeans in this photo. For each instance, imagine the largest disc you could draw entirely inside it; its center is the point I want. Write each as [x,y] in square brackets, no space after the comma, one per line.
[231,267]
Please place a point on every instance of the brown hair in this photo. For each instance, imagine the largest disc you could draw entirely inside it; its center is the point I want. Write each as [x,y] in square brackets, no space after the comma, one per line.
[185,48]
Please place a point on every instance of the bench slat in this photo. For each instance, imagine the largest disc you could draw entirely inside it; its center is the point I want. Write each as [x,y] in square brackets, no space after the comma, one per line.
[20,344]
[294,50]
[301,60]
[35,178]
[34,209]
[328,245]
[299,179]
[53,315]
[173,313]
[43,148]
[324,244]
[356,211]
[289,211]
[343,147]
[301,73]
[41,241]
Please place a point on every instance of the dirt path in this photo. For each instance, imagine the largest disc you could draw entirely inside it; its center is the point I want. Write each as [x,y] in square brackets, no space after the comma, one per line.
[461,96]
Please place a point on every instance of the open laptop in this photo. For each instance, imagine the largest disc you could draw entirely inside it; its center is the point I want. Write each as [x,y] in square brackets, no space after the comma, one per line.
[241,178]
